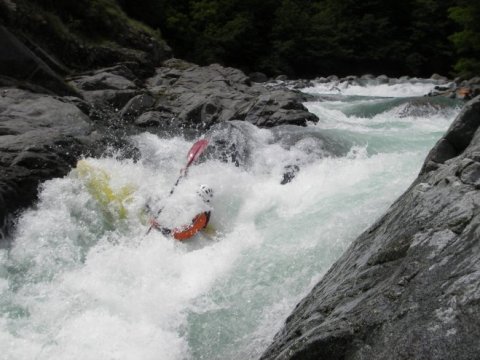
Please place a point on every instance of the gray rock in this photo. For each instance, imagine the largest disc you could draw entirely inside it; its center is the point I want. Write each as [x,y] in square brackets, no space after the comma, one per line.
[156,119]
[438,77]
[310,140]
[458,137]
[115,98]
[407,288]
[102,81]
[367,77]
[282,78]
[383,79]
[41,136]
[474,81]
[199,97]
[350,79]
[278,108]
[322,80]
[230,142]
[136,106]
[114,86]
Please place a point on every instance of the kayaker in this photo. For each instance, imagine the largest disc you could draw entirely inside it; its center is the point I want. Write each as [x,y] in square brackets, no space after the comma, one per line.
[198,223]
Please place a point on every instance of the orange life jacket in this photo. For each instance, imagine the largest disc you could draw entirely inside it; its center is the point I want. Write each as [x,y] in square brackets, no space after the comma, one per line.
[199,222]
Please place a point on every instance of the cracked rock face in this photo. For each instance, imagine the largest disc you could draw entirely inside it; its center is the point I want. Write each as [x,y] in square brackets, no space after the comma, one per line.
[409,287]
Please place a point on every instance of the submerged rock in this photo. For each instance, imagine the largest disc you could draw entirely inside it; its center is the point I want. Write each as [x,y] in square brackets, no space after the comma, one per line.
[229,142]
[407,288]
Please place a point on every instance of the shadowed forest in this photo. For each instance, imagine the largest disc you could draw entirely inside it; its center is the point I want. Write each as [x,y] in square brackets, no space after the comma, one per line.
[299,38]
[310,37]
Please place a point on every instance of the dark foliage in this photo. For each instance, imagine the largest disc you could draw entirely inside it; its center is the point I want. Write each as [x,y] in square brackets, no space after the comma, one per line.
[300,38]
[467,40]
[315,37]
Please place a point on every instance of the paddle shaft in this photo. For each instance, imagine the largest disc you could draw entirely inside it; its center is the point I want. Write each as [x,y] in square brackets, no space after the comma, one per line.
[195,151]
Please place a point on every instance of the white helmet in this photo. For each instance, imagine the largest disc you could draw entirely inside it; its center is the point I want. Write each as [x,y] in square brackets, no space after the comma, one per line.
[205,192]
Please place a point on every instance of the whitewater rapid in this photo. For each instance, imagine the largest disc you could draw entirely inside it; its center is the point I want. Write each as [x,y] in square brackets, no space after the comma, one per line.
[79,283]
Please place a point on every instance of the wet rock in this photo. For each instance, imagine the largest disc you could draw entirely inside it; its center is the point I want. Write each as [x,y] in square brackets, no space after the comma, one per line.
[458,137]
[230,142]
[301,84]
[458,89]
[200,97]
[40,137]
[310,141]
[322,80]
[278,108]
[471,175]
[473,81]
[382,79]
[103,81]
[407,288]
[115,98]
[282,78]
[113,86]
[157,119]
[367,77]
[350,79]
[426,106]
[438,77]
[290,172]
[137,105]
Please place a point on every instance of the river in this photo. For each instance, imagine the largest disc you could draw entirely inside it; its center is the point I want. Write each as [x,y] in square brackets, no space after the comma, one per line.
[79,281]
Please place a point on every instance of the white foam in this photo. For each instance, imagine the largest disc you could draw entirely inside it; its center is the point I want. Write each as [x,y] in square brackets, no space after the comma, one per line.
[406,89]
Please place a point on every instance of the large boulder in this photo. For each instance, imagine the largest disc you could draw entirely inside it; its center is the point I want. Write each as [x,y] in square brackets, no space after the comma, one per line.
[40,138]
[408,287]
[199,97]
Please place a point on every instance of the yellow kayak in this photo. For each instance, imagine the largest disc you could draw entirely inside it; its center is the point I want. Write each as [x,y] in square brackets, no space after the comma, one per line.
[97,181]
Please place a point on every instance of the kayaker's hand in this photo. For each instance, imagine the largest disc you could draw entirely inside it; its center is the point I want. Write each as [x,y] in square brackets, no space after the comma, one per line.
[153,223]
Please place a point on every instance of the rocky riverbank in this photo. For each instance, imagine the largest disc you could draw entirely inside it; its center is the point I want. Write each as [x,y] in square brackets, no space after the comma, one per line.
[408,287]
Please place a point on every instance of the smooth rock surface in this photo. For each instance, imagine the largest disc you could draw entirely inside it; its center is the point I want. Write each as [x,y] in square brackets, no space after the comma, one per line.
[409,286]
[40,137]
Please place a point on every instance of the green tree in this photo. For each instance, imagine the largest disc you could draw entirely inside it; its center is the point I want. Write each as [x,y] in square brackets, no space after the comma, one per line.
[467,41]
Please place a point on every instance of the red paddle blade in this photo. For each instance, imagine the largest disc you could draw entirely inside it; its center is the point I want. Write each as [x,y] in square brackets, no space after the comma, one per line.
[196,151]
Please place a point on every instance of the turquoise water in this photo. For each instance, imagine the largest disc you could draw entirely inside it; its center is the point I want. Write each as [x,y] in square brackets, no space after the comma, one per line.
[79,283]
